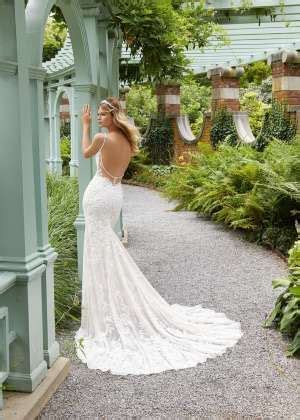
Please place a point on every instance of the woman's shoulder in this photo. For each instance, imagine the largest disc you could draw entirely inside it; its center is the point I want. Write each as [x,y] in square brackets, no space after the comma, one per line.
[101,137]
[116,137]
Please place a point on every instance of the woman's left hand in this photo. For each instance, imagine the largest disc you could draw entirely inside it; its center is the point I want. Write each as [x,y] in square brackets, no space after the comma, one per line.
[86,115]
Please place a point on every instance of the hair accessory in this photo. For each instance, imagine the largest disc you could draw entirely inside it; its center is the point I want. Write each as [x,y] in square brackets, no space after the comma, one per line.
[109,104]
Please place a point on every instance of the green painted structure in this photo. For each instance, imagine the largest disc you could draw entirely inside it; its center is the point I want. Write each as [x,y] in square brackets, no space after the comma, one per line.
[27,330]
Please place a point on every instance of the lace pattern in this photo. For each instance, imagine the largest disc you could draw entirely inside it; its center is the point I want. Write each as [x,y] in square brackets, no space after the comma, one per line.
[126,326]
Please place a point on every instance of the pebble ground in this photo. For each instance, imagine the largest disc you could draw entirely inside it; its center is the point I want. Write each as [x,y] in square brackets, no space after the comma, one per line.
[191,260]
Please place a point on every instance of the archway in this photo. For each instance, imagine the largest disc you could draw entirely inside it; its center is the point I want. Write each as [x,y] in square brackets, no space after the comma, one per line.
[36,14]
[26,257]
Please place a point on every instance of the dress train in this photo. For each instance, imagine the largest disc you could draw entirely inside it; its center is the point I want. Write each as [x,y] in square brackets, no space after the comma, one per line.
[126,326]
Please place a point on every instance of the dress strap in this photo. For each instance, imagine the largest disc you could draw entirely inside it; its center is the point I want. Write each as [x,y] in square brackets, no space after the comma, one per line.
[102,167]
[105,137]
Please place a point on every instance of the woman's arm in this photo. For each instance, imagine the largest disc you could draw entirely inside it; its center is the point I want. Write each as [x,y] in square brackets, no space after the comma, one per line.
[89,149]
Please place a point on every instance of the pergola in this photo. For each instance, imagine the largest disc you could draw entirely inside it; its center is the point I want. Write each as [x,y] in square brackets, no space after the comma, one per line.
[30,133]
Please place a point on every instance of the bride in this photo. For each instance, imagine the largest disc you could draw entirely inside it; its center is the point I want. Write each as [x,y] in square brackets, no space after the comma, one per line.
[126,326]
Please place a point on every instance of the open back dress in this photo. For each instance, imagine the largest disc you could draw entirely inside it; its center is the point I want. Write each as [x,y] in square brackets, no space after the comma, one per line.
[126,326]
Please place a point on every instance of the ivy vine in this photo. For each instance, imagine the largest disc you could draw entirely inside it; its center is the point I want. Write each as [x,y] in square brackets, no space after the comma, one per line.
[223,128]
[158,140]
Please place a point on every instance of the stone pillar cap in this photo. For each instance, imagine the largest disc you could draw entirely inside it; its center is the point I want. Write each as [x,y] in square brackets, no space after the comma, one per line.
[235,72]
[284,56]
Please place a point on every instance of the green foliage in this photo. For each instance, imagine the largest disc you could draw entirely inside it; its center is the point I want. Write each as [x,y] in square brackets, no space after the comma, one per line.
[65,128]
[286,314]
[245,189]
[158,141]
[276,124]
[57,14]
[63,199]
[154,176]
[65,153]
[195,100]
[223,129]
[266,90]
[256,110]
[54,37]
[160,32]
[255,73]
[140,104]
[138,163]
[130,72]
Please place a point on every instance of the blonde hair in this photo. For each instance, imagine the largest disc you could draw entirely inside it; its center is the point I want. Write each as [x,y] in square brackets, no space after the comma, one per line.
[120,120]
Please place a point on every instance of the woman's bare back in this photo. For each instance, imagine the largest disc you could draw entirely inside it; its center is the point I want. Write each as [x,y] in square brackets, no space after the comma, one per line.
[116,154]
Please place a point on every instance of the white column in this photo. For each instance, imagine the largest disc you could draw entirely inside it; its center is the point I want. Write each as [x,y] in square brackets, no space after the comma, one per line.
[46,127]
[54,161]
[74,162]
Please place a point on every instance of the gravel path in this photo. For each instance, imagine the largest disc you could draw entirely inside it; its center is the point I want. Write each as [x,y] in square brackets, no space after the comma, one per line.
[190,260]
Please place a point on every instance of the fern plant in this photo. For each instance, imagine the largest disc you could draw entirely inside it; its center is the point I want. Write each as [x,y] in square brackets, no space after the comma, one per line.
[245,189]
[286,314]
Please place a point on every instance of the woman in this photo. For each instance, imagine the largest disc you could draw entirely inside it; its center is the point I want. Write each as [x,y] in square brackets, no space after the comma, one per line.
[126,326]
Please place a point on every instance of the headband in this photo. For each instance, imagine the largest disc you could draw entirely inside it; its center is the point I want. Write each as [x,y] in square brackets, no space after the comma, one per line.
[109,104]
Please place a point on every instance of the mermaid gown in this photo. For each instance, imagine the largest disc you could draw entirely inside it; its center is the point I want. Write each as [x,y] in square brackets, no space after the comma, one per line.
[126,326]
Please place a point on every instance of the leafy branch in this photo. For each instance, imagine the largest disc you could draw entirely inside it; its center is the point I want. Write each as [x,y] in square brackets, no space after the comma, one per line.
[159,32]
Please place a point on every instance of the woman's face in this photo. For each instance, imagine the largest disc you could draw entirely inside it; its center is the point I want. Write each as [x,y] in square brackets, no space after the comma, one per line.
[104,117]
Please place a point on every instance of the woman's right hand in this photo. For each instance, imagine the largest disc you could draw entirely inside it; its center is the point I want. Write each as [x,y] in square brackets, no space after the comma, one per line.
[86,115]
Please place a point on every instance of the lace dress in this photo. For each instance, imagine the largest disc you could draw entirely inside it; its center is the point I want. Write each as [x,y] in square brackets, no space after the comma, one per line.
[126,326]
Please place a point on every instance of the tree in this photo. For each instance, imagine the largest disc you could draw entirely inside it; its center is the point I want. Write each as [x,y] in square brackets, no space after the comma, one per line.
[161,30]
[255,73]
[55,34]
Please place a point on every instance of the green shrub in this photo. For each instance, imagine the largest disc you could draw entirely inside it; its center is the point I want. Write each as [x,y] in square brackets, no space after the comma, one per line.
[158,141]
[265,94]
[140,105]
[255,73]
[286,314]
[65,129]
[256,110]
[223,128]
[245,189]
[63,209]
[65,153]
[54,37]
[137,164]
[276,124]
[154,176]
[195,100]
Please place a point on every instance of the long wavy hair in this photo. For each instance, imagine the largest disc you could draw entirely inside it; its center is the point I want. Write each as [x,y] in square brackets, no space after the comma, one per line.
[120,120]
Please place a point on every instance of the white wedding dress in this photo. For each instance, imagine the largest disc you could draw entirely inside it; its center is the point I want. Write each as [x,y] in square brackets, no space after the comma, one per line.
[126,326]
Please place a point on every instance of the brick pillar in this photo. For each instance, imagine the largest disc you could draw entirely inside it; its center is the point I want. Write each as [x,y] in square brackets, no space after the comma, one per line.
[286,81]
[168,100]
[64,109]
[226,88]
[122,96]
